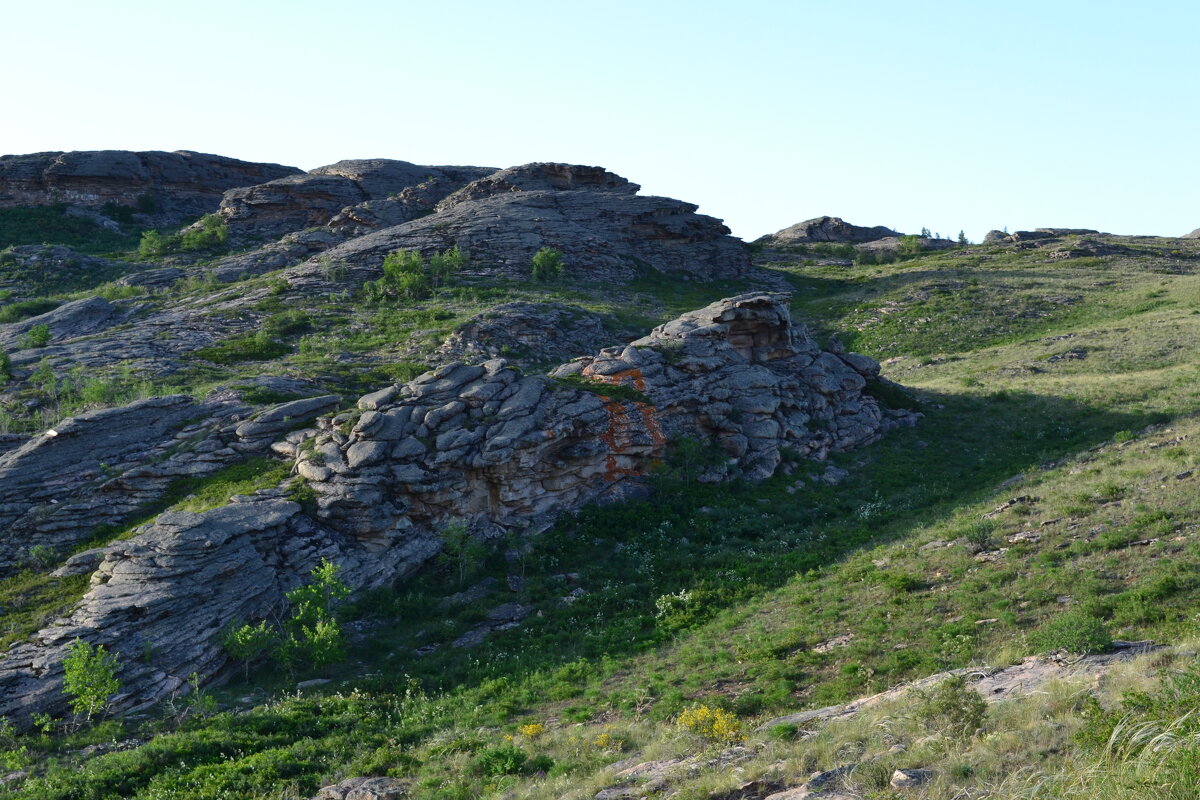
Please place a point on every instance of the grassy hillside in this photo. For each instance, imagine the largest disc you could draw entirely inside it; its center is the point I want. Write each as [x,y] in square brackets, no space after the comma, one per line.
[1051,478]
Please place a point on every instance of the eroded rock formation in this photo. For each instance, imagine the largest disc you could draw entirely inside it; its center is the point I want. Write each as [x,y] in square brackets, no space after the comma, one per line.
[595,218]
[826,229]
[486,445]
[480,445]
[58,488]
[288,204]
[178,186]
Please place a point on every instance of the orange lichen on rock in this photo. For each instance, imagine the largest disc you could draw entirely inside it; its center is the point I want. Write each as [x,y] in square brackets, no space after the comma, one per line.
[620,436]
[634,376]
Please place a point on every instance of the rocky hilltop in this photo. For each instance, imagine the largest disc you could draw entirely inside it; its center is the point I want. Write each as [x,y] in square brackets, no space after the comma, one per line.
[826,229]
[481,445]
[174,187]
[596,219]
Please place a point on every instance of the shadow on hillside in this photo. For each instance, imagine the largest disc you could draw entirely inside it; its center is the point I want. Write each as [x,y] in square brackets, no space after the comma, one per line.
[731,542]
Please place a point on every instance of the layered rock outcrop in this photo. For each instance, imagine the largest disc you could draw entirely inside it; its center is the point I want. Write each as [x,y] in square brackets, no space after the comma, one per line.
[162,599]
[529,332]
[58,488]
[480,445]
[605,230]
[1037,234]
[826,229]
[485,445]
[294,202]
[177,186]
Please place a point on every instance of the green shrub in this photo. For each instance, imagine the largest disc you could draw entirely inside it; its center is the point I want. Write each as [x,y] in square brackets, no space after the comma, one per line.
[407,275]
[37,336]
[951,708]
[547,265]
[910,245]
[249,643]
[90,677]
[15,312]
[1074,631]
[251,347]
[503,760]
[211,234]
[312,634]
[154,244]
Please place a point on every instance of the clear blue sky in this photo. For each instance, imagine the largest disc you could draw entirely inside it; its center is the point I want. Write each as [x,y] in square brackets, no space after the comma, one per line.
[950,115]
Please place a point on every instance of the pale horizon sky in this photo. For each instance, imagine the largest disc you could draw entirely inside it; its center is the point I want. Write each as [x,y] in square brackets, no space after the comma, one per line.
[946,115]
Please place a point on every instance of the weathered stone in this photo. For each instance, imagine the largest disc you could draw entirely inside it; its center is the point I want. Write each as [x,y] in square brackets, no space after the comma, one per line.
[826,229]
[595,218]
[294,202]
[910,778]
[173,588]
[182,185]
[68,321]
[536,447]
[365,789]
[529,333]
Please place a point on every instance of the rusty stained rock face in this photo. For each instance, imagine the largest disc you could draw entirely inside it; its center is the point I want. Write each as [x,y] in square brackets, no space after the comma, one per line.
[487,446]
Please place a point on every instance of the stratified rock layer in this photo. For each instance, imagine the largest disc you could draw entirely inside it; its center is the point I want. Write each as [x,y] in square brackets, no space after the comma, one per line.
[58,488]
[295,202]
[487,446]
[605,230]
[826,229]
[182,185]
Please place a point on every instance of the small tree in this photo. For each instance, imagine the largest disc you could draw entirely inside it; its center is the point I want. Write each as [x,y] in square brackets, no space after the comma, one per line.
[37,336]
[962,239]
[154,244]
[313,634]
[250,643]
[910,245]
[547,265]
[444,266]
[925,234]
[461,550]
[91,677]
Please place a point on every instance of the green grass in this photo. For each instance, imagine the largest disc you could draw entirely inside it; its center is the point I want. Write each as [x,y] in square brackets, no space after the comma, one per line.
[730,596]
[50,225]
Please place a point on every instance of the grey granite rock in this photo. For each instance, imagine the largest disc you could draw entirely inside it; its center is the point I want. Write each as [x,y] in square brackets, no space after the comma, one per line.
[183,184]
[826,229]
[605,230]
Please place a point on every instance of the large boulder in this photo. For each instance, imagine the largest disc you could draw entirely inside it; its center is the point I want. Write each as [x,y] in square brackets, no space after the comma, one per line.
[826,229]
[68,321]
[181,185]
[605,230]
[1193,235]
[485,445]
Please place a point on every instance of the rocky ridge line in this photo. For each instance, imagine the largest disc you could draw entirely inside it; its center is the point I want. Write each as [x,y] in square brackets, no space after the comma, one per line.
[183,184]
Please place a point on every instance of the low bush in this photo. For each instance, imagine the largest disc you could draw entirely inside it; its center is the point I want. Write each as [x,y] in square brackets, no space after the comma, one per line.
[547,265]
[1076,632]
